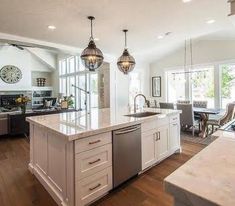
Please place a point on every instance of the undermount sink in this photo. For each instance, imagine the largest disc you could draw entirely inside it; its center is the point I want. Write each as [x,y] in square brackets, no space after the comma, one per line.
[142,114]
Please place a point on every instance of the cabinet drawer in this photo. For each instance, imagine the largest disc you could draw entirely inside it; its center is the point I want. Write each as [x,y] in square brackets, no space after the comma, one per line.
[174,119]
[93,187]
[93,142]
[89,162]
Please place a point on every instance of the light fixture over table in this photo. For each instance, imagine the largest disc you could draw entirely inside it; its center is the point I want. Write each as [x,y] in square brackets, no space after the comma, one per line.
[126,62]
[92,57]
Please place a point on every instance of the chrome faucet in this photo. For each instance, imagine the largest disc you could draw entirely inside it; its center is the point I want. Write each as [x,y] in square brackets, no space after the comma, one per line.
[136,98]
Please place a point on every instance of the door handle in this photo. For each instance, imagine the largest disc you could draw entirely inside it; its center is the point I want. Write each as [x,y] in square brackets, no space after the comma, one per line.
[95,142]
[159,136]
[94,161]
[92,188]
[156,136]
[128,130]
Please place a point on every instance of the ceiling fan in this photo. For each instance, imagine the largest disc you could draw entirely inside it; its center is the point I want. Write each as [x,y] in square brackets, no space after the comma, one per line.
[23,46]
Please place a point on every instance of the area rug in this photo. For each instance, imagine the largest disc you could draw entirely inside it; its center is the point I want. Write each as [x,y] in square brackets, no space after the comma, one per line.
[187,136]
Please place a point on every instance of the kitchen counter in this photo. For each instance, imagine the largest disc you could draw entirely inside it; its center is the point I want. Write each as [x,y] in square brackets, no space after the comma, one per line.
[72,154]
[209,177]
[75,125]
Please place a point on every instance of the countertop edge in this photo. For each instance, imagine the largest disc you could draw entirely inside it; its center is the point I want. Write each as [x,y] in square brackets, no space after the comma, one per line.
[85,134]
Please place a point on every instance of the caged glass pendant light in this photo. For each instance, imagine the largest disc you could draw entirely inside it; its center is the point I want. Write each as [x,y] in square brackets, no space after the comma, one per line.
[92,57]
[126,62]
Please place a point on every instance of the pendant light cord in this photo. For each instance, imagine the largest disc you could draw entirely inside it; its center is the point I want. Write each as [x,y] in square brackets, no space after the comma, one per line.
[191,50]
[91,18]
[185,54]
[91,29]
[125,31]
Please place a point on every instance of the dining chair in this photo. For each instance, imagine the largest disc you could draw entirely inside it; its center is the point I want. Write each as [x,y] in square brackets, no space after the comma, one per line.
[164,105]
[200,104]
[228,116]
[183,102]
[187,120]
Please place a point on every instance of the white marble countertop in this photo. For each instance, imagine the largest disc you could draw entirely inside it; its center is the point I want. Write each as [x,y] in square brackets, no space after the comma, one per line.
[75,125]
[209,177]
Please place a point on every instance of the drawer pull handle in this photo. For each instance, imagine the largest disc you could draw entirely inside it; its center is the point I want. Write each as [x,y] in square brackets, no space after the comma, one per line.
[94,161]
[92,188]
[95,142]
[175,118]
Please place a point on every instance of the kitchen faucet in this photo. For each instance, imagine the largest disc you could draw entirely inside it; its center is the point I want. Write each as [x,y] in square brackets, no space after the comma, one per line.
[136,98]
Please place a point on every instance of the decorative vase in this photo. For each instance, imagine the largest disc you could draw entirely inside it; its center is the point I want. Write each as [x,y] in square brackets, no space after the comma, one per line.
[23,109]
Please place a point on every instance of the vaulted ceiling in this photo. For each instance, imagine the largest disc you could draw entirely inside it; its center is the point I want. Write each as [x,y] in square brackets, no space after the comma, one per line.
[145,19]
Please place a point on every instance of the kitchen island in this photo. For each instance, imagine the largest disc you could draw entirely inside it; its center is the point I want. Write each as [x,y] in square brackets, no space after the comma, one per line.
[71,153]
[208,179]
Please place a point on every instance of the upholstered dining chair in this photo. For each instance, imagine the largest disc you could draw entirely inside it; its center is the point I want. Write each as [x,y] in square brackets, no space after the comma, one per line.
[164,105]
[228,116]
[200,104]
[183,102]
[187,120]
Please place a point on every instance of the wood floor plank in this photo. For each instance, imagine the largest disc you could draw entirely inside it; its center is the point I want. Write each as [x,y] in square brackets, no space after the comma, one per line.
[19,187]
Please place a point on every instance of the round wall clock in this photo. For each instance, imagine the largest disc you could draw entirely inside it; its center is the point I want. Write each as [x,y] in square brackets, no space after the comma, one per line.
[10,74]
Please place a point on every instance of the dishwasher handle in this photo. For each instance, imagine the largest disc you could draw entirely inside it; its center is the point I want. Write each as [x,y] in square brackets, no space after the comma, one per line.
[127,130]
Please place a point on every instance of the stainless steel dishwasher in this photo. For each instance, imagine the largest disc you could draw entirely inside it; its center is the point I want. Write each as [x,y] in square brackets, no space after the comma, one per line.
[126,154]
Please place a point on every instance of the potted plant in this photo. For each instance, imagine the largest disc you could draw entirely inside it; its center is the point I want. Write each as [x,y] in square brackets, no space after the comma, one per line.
[22,103]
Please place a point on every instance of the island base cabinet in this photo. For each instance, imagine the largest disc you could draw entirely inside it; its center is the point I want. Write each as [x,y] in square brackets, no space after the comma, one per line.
[148,148]
[92,188]
[51,161]
[160,139]
[174,142]
[162,142]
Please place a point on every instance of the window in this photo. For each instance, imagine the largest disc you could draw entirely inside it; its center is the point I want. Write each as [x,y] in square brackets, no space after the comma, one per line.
[135,88]
[72,72]
[202,86]
[197,84]
[227,84]
[176,86]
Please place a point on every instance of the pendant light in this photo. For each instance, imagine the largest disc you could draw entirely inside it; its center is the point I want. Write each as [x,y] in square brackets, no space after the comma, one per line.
[126,62]
[92,57]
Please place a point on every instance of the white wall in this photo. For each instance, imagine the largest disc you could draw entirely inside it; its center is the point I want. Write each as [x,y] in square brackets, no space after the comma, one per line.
[25,62]
[119,84]
[204,52]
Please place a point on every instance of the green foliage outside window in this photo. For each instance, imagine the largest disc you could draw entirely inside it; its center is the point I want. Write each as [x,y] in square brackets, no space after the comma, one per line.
[227,80]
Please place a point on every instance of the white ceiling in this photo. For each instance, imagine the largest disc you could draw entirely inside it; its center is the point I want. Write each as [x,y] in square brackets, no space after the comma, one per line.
[144,19]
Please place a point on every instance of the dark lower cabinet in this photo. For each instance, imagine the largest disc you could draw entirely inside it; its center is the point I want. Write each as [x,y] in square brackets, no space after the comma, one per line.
[17,123]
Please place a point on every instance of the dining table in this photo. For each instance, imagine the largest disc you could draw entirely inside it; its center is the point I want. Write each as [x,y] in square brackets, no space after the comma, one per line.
[204,113]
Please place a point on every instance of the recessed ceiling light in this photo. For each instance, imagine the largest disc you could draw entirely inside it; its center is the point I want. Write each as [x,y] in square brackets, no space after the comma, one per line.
[211,21]
[186,1]
[51,27]
[160,37]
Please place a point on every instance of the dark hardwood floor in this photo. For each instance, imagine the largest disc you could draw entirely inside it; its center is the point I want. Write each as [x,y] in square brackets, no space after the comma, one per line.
[18,187]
